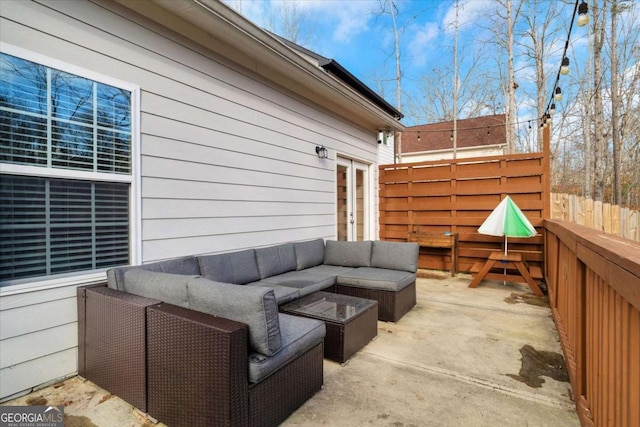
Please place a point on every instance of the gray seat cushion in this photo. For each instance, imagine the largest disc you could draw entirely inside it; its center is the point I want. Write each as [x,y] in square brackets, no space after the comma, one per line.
[184,265]
[305,282]
[328,270]
[233,267]
[166,287]
[309,254]
[299,334]
[348,254]
[255,306]
[283,294]
[276,260]
[395,255]
[377,278]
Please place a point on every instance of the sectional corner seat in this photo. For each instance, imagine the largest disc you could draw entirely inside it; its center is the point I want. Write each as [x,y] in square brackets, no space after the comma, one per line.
[182,341]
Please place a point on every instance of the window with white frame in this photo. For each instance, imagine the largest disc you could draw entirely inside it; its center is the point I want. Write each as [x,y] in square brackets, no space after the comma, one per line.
[66,172]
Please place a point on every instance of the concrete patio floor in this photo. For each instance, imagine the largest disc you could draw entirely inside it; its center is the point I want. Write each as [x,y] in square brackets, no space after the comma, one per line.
[461,357]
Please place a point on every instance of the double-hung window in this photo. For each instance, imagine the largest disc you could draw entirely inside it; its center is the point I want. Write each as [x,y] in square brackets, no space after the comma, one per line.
[65,172]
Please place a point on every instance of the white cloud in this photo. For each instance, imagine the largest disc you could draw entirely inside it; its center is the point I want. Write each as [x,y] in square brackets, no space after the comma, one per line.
[469,11]
[342,19]
[422,41]
[348,19]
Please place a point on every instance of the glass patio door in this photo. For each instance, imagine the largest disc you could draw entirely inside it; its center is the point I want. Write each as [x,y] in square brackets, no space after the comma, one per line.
[352,200]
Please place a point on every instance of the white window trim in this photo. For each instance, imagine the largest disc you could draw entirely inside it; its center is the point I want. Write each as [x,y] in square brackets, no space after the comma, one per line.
[135,205]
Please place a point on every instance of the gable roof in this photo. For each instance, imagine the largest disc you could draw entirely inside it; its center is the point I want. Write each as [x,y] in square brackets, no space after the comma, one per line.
[222,30]
[334,67]
[473,132]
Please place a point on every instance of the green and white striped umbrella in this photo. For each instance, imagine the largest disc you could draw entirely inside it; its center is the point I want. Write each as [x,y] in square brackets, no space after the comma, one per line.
[507,220]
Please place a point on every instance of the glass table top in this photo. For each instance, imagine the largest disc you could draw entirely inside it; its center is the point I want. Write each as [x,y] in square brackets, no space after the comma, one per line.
[328,306]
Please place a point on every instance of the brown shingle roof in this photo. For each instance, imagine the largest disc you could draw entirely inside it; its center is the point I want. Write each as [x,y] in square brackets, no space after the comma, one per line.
[474,132]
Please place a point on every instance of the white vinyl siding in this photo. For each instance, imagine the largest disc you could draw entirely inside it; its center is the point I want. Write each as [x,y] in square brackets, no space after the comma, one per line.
[227,158]
[386,151]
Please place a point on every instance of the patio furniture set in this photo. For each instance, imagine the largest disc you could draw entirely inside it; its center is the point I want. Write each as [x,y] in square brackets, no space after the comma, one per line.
[239,338]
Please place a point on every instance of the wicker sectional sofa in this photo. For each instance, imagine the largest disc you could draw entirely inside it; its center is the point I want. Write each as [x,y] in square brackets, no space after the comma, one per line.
[182,341]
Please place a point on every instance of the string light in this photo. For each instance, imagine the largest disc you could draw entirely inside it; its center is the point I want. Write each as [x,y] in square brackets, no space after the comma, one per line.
[558,94]
[582,10]
[564,68]
[583,14]
[459,129]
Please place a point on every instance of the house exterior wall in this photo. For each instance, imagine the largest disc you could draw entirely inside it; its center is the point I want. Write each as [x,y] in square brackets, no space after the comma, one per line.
[227,162]
[386,150]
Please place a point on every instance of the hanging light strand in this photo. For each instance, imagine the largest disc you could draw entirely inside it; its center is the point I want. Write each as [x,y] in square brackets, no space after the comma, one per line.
[582,9]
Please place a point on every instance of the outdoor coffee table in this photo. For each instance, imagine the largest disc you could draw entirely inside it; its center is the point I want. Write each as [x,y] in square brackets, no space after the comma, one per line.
[351,321]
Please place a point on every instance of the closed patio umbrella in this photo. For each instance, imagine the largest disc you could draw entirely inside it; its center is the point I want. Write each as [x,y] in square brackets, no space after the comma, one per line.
[507,220]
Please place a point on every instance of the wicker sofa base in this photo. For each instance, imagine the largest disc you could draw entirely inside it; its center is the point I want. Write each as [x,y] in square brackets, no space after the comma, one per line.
[391,305]
[111,337]
[183,367]
[274,399]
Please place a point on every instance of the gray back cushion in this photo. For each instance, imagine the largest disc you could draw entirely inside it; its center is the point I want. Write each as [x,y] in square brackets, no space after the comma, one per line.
[276,260]
[309,254]
[395,255]
[253,305]
[234,267]
[166,287]
[348,254]
[185,265]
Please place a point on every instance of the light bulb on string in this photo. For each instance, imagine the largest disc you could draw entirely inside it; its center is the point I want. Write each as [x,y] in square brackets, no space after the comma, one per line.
[583,14]
[558,94]
[564,68]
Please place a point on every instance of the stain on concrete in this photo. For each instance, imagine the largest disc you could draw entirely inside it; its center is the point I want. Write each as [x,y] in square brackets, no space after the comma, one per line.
[105,398]
[37,401]
[530,299]
[78,421]
[536,364]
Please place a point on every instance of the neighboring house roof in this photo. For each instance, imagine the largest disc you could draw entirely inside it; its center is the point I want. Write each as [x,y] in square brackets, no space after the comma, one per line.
[475,132]
[224,31]
[333,66]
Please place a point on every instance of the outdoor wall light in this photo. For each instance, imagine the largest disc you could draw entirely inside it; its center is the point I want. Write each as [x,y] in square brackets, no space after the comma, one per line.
[583,14]
[558,95]
[564,68]
[322,152]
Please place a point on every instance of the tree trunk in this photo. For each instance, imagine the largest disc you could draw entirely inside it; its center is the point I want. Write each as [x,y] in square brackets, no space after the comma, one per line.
[511,113]
[454,135]
[615,104]
[600,153]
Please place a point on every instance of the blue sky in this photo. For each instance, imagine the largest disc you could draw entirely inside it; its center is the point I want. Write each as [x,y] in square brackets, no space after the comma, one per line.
[355,34]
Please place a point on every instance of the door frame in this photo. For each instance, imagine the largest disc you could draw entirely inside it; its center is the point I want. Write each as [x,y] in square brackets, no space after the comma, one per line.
[353,165]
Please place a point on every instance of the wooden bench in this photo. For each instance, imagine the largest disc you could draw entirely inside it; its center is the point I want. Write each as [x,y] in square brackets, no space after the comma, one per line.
[439,240]
[536,272]
[509,267]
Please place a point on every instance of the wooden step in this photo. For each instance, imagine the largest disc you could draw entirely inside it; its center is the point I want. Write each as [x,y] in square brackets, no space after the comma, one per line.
[536,272]
[475,268]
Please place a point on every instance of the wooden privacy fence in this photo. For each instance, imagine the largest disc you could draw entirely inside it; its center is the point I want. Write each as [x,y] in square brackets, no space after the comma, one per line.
[600,216]
[456,196]
[593,281]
